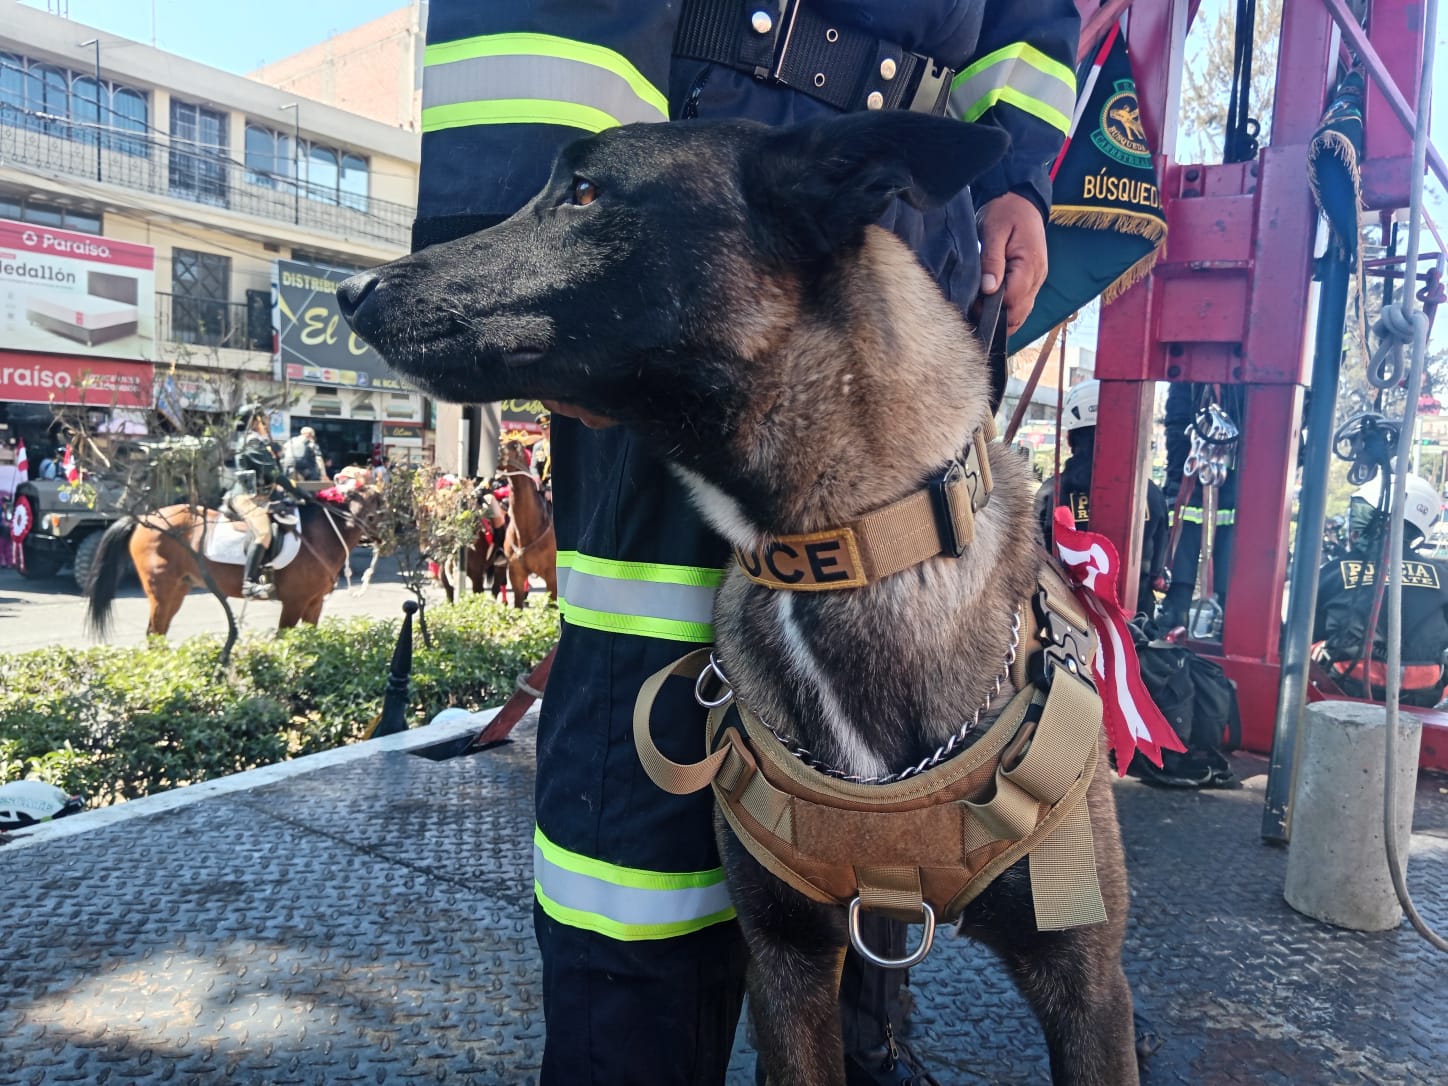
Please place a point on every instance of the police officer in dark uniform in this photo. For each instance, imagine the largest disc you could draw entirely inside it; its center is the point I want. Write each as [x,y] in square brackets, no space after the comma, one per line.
[1345,593]
[642,960]
[1078,421]
[257,472]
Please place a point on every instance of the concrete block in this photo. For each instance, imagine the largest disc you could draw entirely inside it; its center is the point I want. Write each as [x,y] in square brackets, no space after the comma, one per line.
[1337,868]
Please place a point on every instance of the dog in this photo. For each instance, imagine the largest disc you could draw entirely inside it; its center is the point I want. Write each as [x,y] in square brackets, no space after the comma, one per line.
[722,288]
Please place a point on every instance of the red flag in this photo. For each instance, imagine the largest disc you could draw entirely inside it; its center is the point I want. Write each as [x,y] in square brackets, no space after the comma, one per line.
[67,465]
[1132,720]
[22,462]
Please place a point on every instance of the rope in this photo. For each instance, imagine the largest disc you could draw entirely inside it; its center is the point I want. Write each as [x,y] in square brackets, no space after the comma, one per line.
[1414,323]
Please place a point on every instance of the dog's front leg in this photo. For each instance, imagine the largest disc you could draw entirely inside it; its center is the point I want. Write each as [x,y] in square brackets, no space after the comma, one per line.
[796,953]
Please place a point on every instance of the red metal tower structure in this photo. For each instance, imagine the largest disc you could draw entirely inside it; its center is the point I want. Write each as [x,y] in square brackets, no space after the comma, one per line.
[1231,302]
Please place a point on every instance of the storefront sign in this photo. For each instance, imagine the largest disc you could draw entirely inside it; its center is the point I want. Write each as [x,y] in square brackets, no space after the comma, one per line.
[68,293]
[522,415]
[40,378]
[316,346]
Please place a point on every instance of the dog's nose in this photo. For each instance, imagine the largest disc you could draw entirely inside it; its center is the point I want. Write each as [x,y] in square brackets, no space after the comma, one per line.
[351,293]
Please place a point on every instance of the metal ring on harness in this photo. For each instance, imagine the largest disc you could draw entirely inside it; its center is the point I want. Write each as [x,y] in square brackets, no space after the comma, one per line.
[713,668]
[858,941]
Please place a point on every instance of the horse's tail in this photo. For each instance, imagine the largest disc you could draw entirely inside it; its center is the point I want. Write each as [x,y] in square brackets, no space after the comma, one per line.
[105,574]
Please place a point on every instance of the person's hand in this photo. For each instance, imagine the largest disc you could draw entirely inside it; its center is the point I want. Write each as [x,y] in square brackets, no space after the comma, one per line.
[590,419]
[1013,251]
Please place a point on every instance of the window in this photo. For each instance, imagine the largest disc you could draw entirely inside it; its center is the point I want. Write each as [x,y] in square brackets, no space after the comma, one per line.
[200,298]
[354,182]
[128,115]
[198,153]
[21,209]
[268,156]
[45,98]
[322,174]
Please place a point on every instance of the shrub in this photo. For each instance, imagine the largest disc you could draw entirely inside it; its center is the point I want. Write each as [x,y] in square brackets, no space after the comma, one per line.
[114,723]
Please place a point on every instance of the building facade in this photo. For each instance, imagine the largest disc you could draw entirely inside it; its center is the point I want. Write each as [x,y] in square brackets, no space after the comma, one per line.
[171,236]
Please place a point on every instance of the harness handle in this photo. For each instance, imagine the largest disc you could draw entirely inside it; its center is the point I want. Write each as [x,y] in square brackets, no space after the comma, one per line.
[674,777]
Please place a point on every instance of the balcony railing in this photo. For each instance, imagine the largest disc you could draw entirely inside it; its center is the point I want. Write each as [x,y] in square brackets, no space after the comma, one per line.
[152,163]
[211,322]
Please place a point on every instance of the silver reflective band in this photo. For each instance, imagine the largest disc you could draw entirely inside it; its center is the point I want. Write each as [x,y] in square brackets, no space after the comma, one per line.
[536,77]
[652,599]
[628,907]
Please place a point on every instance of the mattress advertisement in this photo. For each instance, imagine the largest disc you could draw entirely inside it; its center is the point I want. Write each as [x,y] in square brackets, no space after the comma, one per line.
[314,344]
[77,294]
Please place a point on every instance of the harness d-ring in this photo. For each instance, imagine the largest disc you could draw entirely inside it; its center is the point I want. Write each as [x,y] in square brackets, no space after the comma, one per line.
[713,668]
[858,942]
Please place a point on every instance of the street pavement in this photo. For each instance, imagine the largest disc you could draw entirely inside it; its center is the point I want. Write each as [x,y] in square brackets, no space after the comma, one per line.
[34,614]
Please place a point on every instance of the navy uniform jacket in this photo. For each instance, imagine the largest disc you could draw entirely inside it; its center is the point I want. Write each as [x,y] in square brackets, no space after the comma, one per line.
[1345,591]
[506,86]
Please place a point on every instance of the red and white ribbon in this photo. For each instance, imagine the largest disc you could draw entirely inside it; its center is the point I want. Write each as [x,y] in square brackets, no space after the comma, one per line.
[1132,720]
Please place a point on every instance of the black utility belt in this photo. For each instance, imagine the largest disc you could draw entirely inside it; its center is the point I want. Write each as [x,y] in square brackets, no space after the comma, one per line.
[786,43]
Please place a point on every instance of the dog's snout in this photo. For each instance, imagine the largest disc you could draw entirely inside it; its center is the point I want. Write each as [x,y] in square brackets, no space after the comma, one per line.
[351,293]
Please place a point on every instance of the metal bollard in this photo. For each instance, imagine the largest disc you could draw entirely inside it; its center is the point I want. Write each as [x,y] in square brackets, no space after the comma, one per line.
[394,702]
[1337,868]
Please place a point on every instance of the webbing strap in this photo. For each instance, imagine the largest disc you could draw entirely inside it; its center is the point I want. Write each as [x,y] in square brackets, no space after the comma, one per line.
[938,519]
[671,776]
[894,891]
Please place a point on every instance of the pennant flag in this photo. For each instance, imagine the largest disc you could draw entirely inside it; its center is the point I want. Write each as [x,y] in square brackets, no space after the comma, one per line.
[68,466]
[1107,225]
[1132,720]
[22,462]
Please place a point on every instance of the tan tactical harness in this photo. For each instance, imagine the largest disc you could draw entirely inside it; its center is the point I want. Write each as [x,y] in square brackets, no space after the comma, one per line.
[929,844]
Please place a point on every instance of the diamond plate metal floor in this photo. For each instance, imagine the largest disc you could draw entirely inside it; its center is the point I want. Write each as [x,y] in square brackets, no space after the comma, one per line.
[370,923]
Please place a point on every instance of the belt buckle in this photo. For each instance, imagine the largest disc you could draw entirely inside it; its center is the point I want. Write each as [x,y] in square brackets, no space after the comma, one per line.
[1062,645]
[783,33]
[943,493]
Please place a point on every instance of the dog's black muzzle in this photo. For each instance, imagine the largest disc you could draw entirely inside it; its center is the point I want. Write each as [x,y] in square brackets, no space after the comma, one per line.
[354,298]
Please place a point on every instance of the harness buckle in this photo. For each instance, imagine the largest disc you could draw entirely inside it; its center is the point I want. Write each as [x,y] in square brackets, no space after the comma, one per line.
[945,491]
[1062,644]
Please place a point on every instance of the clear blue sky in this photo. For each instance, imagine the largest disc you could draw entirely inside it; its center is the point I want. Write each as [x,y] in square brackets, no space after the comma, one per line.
[233,35]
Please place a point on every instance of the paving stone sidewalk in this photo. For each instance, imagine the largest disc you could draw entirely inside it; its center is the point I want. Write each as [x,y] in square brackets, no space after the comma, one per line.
[371,923]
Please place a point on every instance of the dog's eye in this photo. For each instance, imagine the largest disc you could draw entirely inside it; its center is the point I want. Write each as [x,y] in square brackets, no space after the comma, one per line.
[583,193]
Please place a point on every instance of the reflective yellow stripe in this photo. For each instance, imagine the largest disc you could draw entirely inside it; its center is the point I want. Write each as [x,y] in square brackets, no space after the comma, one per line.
[1020,75]
[665,629]
[547,45]
[655,572]
[517,111]
[637,877]
[625,903]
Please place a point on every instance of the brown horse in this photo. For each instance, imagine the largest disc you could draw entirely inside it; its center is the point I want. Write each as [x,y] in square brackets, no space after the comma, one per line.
[168,548]
[487,566]
[529,543]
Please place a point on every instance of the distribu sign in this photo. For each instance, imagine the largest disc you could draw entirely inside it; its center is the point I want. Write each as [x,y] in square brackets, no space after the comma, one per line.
[67,293]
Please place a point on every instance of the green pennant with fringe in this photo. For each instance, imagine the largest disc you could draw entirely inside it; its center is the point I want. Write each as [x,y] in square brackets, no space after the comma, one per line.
[1106,226]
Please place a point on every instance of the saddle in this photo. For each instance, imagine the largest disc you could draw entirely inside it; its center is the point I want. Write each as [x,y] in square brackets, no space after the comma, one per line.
[285,519]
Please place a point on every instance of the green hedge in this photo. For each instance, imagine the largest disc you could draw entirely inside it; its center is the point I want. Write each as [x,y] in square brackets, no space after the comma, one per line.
[114,723]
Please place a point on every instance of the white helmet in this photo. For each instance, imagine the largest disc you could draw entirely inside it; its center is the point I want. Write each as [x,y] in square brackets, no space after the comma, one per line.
[1422,508]
[1080,409]
[23,803]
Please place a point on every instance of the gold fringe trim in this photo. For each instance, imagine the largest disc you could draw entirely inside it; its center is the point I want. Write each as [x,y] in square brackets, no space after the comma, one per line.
[1151,227]
[1131,276]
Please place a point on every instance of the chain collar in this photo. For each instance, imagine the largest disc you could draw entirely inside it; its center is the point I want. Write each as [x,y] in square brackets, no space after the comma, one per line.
[942,752]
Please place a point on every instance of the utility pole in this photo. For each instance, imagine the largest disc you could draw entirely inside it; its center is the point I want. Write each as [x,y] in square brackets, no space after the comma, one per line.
[97,43]
[296,108]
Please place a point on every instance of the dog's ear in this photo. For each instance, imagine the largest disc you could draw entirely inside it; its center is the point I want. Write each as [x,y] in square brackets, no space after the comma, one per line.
[813,188]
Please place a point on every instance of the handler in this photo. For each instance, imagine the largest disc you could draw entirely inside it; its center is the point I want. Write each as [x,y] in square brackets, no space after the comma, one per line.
[643,964]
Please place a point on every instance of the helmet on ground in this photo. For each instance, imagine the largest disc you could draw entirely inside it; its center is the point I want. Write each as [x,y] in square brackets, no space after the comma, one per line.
[1421,510]
[24,803]
[1080,409]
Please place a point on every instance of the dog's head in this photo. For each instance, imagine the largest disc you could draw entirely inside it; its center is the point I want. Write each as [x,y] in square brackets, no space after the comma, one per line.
[654,254]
